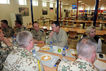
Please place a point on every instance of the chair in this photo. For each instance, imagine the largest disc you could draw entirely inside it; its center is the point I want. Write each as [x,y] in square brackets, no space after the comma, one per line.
[104,37]
[72,34]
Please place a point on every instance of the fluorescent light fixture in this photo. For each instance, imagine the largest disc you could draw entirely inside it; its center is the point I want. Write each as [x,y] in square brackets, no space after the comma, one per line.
[79,1]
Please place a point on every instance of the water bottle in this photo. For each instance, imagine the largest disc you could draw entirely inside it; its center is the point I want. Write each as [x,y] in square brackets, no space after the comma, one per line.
[64,52]
[66,47]
[51,46]
[34,52]
[14,40]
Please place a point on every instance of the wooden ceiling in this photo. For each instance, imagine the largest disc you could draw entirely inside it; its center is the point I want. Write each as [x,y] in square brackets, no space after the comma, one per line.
[86,2]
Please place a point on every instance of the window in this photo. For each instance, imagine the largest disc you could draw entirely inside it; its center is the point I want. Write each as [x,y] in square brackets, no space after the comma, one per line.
[44,4]
[35,2]
[51,5]
[4,1]
[22,2]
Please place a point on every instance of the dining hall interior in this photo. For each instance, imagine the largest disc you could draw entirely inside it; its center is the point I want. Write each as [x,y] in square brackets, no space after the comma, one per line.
[75,17]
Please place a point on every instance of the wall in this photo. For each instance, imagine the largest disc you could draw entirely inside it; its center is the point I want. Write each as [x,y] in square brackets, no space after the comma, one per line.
[8,12]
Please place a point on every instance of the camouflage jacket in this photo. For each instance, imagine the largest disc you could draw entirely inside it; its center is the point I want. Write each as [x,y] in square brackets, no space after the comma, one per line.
[8,32]
[17,30]
[21,60]
[78,65]
[40,35]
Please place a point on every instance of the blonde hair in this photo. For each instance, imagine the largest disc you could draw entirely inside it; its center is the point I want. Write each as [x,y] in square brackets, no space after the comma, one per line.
[88,30]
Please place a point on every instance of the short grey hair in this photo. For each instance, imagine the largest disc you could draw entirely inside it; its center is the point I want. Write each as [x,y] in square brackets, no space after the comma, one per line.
[23,38]
[88,30]
[86,47]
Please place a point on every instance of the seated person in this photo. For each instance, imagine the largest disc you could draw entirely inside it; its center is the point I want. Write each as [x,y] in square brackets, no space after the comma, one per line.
[85,60]
[57,36]
[7,31]
[18,27]
[4,50]
[38,34]
[91,34]
[21,59]
[4,39]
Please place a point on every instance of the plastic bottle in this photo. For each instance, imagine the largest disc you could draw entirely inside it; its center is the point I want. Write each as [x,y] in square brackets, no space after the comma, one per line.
[14,40]
[64,52]
[34,52]
[66,47]
[51,46]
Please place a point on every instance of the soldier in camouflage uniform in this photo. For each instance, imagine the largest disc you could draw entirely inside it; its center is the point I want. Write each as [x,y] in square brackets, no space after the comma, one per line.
[4,48]
[18,27]
[22,59]
[86,58]
[38,34]
[8,31]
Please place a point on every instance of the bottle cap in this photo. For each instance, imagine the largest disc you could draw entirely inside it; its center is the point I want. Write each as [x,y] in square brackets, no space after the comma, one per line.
[55,65]
[50,42]
[64,49]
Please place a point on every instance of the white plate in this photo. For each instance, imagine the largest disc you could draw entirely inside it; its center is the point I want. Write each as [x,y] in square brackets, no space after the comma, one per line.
[46,48]
[46,57]
[100,65]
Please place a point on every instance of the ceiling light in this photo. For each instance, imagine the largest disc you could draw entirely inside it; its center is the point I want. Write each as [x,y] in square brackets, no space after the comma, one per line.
[79,1]
[82,3]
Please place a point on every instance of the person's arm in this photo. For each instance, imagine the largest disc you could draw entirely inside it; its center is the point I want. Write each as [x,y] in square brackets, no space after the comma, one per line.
[7,42]
[50,37]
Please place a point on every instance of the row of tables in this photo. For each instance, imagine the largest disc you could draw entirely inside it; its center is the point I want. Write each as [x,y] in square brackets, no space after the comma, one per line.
[78,30]
[84,21]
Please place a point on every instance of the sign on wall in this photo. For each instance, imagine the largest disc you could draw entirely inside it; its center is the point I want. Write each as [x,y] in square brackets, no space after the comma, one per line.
[24,11]
[44,11]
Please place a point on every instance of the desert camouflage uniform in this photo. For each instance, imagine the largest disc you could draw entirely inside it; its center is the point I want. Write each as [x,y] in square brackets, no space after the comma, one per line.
[21,60]
[4,51]
[8,32]
[17,30]
[78,65]
[40,35]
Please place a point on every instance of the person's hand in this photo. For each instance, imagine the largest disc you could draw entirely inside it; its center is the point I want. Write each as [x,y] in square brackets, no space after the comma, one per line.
[1,36]
[51,34]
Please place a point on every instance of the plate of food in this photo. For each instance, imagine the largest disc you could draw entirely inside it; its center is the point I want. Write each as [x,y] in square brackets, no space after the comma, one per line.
[46,48]
[46,57]
[73,53]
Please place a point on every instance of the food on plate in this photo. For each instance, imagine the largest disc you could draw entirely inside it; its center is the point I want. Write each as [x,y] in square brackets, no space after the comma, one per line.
[46,57]
[73,53]
[45,48]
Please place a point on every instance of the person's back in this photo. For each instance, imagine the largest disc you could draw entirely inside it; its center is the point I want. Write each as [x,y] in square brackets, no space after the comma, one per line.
[77,65]
[21,59]
[86,57]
